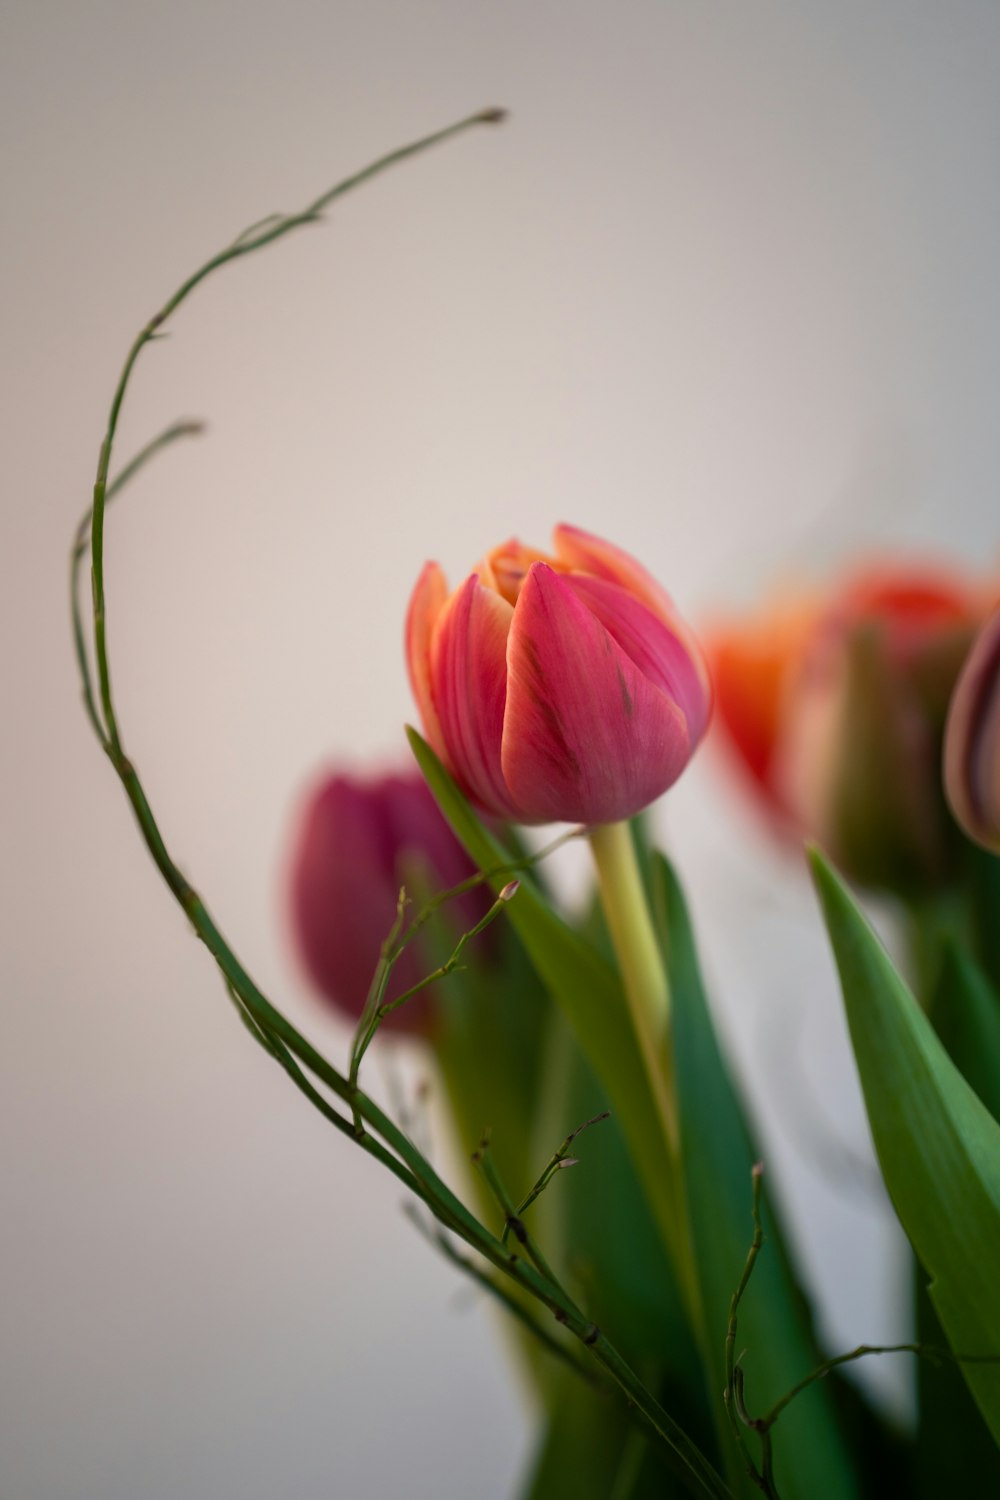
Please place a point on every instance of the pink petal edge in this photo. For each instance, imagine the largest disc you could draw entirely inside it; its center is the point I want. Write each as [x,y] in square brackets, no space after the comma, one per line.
[587,736]
[469,679]
[426,603]
[592,554]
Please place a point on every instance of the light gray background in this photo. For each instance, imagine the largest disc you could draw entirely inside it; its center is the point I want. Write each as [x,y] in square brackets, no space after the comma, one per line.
[724,288]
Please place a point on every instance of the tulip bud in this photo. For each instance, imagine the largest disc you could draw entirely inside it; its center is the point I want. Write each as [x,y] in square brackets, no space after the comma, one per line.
[560,688]
[357,843]
[972,740]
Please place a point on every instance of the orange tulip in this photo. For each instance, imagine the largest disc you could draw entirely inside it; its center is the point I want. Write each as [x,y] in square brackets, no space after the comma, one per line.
[836,706]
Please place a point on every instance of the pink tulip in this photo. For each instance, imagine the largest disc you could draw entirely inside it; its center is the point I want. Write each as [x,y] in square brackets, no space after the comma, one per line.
[557,688]
[972,740]
[358,840]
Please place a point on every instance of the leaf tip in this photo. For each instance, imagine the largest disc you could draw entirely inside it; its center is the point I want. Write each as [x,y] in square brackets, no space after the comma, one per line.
[829,886]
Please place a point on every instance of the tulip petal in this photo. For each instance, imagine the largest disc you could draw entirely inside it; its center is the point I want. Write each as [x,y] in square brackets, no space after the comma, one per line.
[587,736]
[419,834]
[469,677]
[506,567]
[591,554]
[426,603]
[972,740]
[654,647]
[343,890]
[754,664]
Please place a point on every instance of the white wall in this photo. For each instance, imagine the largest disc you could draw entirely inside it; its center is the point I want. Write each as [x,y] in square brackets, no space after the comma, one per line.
[725,289]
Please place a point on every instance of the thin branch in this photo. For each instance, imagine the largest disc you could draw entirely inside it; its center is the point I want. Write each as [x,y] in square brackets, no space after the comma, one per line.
[245,244]
[81,545]
[559,1159]
[472,882]
[482,1157]
[398,939]
[377,1008]
[437,1237]
[932,1352]
[733,1394]
[268,1026]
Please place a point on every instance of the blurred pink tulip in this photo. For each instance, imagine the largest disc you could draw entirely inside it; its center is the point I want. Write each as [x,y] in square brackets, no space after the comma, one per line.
[559,688]
[972,740]
[358,840]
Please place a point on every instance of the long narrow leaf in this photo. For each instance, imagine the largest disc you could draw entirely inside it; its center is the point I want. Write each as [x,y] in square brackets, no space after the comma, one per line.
[937,1143]
[583,983]
[965,1010]
[718,1153]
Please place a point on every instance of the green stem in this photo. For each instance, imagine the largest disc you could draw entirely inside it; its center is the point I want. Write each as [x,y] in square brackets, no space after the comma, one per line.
[644,977]
[631,923]
[647,995]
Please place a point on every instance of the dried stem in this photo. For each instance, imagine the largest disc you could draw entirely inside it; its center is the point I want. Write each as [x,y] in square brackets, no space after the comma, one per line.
[740,1417]
[560,1351]
[369,1126]
[558,1160]
[377,1007]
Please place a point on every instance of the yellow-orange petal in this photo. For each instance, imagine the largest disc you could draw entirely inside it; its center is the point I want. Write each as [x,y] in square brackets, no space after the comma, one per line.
[426,603]
[505,568]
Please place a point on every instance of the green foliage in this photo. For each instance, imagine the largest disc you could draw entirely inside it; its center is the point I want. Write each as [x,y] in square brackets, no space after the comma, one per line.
[937,1143]
[954,1448]
[586,988]
[718,1154]
[965,1011]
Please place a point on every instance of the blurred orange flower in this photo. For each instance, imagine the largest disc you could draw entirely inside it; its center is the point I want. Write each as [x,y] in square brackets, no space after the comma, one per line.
[835,704]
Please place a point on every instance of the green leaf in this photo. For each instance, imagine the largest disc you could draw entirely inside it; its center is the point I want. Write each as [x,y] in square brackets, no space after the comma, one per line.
[590,1446]
[586,988]
[937,1143]
[965,1011]
[595,1222]
[493,1007]
[980,888]
[774,1326]
[953,1451]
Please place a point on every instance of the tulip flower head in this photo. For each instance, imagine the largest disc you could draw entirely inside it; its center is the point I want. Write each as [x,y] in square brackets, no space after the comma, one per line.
[836,705]
[557,688]
[358,840]
[972,740]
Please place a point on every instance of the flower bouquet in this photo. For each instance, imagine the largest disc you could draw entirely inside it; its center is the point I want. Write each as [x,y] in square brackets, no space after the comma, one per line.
[657,1318]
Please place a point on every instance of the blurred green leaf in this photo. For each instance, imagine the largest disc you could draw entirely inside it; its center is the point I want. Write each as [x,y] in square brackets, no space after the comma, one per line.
[965,1011]
[597,1227]
[591,1447]
[586,988]
[981,893]
[775,1330]
[953,1444]
[937,1143]
[494,1007]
